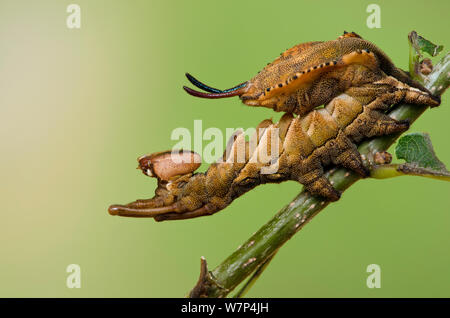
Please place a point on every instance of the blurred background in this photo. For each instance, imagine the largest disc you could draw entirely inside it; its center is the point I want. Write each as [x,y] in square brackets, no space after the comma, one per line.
[78,106]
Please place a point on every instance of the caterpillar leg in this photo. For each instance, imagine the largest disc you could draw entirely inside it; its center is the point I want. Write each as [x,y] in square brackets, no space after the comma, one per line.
[372,123]
[315,182]
[321,186]
[348,156]
[382,124]
[387,91]
[396,92]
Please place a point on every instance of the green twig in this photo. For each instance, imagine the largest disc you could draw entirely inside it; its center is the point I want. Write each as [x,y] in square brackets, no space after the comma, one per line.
[397,170]
[414,57]
[251,281]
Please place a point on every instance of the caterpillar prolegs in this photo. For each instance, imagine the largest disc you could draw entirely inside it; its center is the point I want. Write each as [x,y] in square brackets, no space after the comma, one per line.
[305,145]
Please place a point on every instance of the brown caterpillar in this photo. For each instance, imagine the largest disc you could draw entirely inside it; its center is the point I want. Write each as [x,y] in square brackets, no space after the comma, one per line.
[306,144]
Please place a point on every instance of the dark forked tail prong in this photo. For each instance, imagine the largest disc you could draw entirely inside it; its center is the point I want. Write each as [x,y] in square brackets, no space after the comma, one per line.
[213,92]
[201,85]
[195,93]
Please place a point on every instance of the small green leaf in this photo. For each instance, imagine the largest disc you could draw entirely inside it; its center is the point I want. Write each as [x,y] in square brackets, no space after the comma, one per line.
[428,47]
[423,45]
[417,149]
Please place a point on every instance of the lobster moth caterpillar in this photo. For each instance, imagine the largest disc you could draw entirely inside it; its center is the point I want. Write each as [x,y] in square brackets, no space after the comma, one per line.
[354,80]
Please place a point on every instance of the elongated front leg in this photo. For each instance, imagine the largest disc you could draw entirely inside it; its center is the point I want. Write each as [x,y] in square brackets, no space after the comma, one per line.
[387,91]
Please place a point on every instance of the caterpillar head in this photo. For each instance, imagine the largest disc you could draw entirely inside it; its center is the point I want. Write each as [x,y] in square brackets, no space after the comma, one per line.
[169,165]
[173,169]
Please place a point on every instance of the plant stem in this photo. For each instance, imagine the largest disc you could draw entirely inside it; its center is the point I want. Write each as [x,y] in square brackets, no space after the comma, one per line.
[256,252]
[414,57]
[397,170]
[251,281]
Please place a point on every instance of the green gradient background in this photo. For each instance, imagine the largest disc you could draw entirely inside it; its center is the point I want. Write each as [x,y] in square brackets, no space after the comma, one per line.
[79,106]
